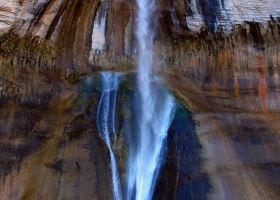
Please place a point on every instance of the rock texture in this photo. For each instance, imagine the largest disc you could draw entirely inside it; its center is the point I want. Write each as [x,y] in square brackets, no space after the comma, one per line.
[239,134]
[221,57]
[92,34]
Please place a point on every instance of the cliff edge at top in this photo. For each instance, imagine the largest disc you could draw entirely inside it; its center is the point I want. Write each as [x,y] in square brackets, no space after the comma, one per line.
[101,33]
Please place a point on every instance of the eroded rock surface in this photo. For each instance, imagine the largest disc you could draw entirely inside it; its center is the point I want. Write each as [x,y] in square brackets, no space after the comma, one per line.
[221,57]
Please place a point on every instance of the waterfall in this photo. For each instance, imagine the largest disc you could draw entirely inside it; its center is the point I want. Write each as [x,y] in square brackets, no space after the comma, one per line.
[106,119]
[155,116]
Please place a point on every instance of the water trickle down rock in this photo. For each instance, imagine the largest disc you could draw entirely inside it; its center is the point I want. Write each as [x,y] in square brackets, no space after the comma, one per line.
[106,123]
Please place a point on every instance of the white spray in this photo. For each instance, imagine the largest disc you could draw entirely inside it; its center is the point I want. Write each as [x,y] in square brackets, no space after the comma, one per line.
[156,113]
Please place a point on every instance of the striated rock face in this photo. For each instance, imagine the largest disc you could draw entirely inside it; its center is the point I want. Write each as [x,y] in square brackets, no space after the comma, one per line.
[100,33]
[224,14]
[28,16]
[36,16]
[222,58]
[10,11]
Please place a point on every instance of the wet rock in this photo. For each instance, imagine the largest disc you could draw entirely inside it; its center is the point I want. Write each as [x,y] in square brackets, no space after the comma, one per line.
[77,127]
[221,57]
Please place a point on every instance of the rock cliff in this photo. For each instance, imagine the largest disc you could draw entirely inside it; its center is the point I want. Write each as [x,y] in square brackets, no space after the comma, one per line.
[92,34]
[221,57]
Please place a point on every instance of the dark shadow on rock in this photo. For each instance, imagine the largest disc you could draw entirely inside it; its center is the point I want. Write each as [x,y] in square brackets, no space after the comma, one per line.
[181,176]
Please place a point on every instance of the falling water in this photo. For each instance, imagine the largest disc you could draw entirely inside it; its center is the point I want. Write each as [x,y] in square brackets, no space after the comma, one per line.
[156,113]
[106,118]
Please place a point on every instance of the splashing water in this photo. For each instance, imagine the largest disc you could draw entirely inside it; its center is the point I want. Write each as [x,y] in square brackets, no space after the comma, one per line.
[156,114]
[106,118]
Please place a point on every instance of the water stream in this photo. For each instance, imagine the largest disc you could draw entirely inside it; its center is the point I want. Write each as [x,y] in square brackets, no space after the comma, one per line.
[106,122]
[157,164]
[155,114]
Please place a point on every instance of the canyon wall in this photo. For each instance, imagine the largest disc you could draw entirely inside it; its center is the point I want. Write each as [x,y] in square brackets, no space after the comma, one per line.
[101,33]
[215,43]
[223,56]
[207,40]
